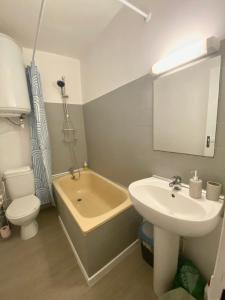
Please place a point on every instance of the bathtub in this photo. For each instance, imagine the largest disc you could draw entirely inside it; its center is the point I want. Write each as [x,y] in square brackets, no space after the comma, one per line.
[98,218]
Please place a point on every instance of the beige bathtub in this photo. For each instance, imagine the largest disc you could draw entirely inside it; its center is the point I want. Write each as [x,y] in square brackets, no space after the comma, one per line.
[92,200]
[98,219]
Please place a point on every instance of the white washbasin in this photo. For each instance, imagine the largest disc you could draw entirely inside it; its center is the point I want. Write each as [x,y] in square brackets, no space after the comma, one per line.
[174,211]
[173,214]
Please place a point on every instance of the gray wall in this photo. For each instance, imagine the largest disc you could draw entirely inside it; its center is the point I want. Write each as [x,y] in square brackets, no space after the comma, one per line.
[120,141]
[120,147]
[62,159]
[119,132]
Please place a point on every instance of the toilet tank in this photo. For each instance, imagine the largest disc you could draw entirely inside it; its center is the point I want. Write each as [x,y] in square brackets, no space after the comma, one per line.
[14,97]
[19,182]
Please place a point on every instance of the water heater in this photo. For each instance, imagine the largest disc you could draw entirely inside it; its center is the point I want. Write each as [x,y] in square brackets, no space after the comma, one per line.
[14,97]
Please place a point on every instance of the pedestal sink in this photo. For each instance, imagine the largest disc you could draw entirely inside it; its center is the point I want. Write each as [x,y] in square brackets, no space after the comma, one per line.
[174,214]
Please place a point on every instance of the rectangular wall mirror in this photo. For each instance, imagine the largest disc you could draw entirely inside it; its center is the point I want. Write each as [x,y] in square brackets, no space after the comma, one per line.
[185,108]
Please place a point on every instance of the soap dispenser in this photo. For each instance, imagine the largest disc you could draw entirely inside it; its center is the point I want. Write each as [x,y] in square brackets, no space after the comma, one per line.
[85,167]
[195,186]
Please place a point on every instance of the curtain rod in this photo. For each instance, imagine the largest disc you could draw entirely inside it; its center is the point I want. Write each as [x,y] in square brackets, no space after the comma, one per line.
[40,16]
[137,10]
[41,12]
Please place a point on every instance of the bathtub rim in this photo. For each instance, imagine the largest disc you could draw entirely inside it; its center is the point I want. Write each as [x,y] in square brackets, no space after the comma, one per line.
[88,224]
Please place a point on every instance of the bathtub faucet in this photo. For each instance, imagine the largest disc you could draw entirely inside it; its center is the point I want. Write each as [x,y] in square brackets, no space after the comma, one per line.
[73,172]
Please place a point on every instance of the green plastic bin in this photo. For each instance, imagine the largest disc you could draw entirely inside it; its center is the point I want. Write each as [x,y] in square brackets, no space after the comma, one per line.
[177,294]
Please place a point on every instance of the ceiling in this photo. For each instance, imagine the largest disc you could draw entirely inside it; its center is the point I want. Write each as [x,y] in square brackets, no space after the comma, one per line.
[68,27]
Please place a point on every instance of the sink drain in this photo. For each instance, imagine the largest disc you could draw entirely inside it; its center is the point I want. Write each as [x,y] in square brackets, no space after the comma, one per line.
[79,199]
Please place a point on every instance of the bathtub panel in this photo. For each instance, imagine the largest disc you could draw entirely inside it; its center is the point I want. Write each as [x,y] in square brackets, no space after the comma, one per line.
[110,239]
[76,236]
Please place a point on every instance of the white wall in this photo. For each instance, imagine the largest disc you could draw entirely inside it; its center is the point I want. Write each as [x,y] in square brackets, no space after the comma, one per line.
[15,147]
[128,47]
[52,67]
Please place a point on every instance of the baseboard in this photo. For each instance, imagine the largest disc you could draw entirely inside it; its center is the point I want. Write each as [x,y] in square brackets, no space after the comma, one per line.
[91,280]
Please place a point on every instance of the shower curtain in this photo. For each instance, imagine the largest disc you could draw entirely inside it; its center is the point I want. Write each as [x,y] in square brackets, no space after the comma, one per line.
[41,157]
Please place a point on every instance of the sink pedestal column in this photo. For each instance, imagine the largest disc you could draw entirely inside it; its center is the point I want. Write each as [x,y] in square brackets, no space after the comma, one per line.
[166,250]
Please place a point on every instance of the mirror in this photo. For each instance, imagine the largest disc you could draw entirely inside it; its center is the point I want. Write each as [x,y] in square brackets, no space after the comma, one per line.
[185,108]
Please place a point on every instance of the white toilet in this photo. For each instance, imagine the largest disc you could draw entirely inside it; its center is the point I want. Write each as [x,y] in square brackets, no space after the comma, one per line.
[25,206]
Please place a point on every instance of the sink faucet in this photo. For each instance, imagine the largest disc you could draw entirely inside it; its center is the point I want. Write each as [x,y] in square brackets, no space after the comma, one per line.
[176,183]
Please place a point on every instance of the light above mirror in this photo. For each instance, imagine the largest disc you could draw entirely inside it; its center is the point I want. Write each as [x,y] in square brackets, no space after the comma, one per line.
[186,54]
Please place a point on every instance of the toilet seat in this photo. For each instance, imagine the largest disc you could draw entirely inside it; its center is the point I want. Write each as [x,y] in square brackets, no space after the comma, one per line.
[22,207]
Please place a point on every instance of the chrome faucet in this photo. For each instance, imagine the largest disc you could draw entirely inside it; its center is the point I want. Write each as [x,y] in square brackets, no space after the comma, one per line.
[176,183]
[72,172]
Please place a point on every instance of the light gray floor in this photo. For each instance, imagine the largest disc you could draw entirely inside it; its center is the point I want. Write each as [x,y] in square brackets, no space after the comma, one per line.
[44,268]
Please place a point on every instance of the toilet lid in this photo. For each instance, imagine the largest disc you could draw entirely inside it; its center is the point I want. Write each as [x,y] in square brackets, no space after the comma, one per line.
[22,207]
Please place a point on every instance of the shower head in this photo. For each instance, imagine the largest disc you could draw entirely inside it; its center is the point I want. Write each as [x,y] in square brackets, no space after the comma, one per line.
[61,83]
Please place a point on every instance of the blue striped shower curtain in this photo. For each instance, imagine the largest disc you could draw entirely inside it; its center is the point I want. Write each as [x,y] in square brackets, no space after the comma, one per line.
[41,157]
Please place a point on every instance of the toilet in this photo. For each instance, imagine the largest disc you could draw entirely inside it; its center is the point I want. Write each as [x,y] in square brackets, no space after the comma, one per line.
[24,206]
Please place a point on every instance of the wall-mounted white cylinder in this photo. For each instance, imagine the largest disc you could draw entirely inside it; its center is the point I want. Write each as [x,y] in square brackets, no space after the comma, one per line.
[14,97]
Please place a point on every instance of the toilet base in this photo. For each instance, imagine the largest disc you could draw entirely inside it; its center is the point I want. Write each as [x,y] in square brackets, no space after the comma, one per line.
[29,230]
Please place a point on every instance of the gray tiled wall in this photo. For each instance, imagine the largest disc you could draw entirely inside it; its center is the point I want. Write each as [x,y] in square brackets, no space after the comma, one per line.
[119,137]
[62,159]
